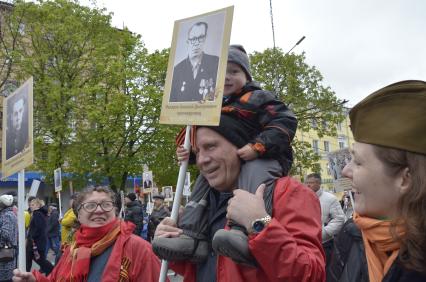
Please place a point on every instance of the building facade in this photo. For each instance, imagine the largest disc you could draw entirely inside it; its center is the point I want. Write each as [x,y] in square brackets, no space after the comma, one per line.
[325,145]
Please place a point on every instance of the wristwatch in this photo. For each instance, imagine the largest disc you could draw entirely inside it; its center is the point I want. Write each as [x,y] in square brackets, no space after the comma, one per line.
[259,224]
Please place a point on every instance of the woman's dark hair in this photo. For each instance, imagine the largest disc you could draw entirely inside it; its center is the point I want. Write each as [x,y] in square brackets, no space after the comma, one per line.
[411,205]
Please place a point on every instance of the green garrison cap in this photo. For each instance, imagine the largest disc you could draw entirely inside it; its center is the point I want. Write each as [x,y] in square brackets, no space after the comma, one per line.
[394,116]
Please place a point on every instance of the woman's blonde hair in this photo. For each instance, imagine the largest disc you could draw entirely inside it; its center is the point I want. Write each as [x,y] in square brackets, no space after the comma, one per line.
[38,202]
[411,205]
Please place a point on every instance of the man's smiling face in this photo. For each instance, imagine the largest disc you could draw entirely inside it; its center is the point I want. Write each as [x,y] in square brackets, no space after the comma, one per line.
[217,160]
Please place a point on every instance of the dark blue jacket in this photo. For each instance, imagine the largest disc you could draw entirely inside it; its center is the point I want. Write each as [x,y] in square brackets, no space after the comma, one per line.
[53,224]
[349,264]
[38,228]
[269,122]
[135,214]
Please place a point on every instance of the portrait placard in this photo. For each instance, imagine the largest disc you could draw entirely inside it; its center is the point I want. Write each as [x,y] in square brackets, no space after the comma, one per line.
[17,143]
[337,160]
[187,185]
[196,70]
[154,191]
[147,181]
[167,193]
[57,176]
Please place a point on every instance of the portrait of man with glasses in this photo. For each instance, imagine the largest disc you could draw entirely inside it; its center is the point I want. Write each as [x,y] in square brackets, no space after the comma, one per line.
[194,78]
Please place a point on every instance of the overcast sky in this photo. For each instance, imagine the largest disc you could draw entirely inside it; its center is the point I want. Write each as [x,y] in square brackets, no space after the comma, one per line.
[359,46]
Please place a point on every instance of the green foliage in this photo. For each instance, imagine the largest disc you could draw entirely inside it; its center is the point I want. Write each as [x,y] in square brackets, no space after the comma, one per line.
[299,86]
[64,48]
[98,95]
[11,31]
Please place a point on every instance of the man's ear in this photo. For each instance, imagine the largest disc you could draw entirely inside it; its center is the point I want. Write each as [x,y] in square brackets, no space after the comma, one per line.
[405,180]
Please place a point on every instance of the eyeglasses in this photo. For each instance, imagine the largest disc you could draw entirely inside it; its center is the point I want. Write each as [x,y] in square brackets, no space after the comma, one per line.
[106,206]
[198,39]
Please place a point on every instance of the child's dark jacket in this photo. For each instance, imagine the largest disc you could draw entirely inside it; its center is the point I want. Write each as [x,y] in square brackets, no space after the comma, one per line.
[271,123]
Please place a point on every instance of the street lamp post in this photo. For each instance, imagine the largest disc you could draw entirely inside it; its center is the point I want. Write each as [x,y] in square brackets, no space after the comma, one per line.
[276,76]
[297,43]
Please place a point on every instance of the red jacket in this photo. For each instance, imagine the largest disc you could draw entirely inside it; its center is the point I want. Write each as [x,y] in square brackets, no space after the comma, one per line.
[288,249]
[141,260]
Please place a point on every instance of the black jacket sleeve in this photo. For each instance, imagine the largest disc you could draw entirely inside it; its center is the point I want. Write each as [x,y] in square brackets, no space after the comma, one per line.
[278,123]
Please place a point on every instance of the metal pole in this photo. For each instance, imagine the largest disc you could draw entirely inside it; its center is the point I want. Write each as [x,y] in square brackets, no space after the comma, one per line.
[21,221]
[60,204]
[178,196]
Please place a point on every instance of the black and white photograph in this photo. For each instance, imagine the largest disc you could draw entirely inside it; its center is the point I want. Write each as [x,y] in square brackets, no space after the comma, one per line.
[147,180]
[17,133]
[17,142]
[154,191]
[187,184]
[197,59]
[196,69]
[167,193]
[337,161]
[57,176]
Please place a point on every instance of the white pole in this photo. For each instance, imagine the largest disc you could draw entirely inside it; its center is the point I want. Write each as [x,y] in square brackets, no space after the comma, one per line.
[60,204]
[21,221]
[178,195]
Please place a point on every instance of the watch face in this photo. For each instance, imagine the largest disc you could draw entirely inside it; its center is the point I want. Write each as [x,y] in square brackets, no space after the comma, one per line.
[258,226]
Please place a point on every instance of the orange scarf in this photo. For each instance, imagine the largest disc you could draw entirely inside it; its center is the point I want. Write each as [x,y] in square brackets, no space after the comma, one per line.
[380,248]
[89,242]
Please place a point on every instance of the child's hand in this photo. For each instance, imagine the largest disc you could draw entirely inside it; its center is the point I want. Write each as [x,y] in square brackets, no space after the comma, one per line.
[247,153]
[182,154]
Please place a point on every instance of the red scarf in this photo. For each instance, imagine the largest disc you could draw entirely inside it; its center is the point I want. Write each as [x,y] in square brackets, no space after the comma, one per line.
[90,241]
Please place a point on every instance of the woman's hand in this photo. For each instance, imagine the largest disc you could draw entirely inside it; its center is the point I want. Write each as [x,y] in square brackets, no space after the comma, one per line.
[19,276]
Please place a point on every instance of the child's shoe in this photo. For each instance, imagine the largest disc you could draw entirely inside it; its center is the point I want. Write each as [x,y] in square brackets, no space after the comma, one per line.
[233,244]
[183,247]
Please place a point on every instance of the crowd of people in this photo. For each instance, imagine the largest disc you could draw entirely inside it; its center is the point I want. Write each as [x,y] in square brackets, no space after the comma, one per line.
[247,218]
[46,231]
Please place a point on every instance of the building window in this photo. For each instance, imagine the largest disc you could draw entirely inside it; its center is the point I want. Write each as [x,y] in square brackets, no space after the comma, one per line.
[339,126]
[326,146]
[341,145]
[314,123]
[315,146]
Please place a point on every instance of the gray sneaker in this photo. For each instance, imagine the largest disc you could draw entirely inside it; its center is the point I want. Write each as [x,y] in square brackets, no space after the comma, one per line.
[180,248]
[233,244]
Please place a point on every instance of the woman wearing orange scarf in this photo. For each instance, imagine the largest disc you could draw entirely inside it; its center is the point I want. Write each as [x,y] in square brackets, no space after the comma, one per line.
[105,248]
[386,241]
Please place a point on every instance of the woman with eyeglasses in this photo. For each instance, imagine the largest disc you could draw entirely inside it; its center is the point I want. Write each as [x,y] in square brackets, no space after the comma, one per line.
[105,248]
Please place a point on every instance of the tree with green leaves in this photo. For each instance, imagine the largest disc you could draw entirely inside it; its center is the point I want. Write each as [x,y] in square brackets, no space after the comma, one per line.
[65,47]
[300,86]
[97,92]
[11,31]
[118,129]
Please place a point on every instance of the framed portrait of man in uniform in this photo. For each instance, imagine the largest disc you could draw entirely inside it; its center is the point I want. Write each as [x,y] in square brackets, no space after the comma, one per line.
[196,70]
[154,191]
[167,193]
[57,177]
[17,142]
[147,181]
